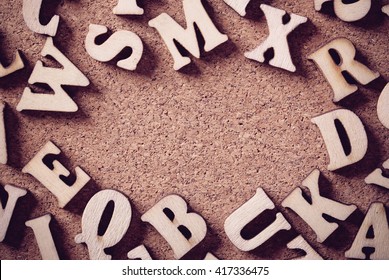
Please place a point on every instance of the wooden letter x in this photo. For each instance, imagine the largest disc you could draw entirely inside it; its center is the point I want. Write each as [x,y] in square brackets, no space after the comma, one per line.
[238,5]
[277,40]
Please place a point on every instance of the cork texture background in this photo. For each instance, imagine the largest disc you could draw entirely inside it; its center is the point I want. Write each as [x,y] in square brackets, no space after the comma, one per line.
[212,133]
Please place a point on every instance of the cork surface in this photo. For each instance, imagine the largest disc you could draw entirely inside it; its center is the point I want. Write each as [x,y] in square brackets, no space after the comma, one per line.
[212,133]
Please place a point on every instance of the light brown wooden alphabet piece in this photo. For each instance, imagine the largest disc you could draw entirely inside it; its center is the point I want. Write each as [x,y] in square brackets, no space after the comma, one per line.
[15,65]
[169,226]
[3,138]
[300,243]
[385,9]
[6,211]
[210,256]
[139,253]
[55,78]
[383,106]
[127,7]
[114,45]
[238,5]
[51,177]
[170,30]
[348,12]
[356,135]
[312,213]
[118,224]
[234,224]
[332,70]
[376,220]
[377,178]
[278,32]
[31,12]
[41,229]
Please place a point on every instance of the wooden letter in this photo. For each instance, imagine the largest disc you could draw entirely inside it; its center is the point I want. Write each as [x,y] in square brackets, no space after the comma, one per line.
[234,224]
[113,46]
[385,9]
[6,211]
[3,138]
[210,256]
[52,177]
[376,221]
[332,69]
[127,7]
[139,253]
[377,178]
[16,65]
[116,229]
[182,230]
[312,213]
[238,5]
[336,123]
[171,31]
[300,243]
[383,106]
[31,11]
[347,11]
[55,78]
[41,229]
[277,40]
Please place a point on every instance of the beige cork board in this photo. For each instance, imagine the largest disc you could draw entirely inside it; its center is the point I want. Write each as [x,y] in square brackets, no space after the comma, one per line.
[213,132]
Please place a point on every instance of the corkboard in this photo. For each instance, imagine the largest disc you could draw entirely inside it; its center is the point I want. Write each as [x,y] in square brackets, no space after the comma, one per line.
[212,133]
